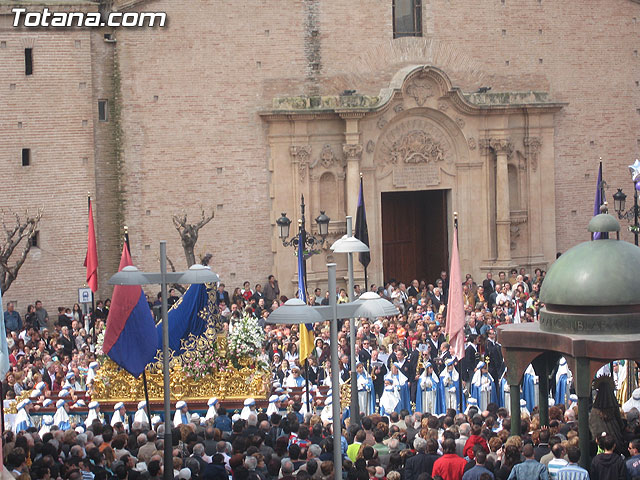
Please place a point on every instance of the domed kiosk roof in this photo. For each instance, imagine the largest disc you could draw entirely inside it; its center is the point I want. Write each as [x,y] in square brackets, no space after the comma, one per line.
[594,287]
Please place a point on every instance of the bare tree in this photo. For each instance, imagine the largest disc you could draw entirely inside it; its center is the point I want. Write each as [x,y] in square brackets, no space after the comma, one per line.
[189,233]
[22,231]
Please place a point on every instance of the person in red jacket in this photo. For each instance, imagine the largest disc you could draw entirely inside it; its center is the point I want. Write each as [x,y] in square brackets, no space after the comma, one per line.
[450,466]
[474,439]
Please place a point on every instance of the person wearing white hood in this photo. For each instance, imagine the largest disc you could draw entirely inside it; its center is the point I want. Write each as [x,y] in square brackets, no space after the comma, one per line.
[140,415]
[23,419]
[563,382]
[524,411]
[212,412]
[283,400]
[61,418]
[182,414]
[274,405]
[94,414]
[119,415]
[71,382]
[91,373]
[249,408]
[633,402]
[38,390]
[327,412]
[47,423]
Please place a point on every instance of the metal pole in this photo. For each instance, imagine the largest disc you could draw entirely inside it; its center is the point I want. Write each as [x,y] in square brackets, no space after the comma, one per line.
[335,376]
[168,442]
[583,431]
[354,408]
[635,214]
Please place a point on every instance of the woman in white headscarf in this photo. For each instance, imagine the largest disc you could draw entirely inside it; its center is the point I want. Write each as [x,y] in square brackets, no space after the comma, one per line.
[61,417]
[212,412]
[249,408]
[23,419]
[273,405]
[182,415]
[47,423]
[141,415]
[119,415]
[563,382]
[94,414]
[91,373]
[428,390]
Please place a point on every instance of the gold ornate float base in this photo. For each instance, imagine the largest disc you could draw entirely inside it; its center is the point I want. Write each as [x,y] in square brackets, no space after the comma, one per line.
[112,384]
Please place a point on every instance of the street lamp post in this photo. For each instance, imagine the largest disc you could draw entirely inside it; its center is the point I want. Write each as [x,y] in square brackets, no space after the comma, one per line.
[349,245]
[130,275]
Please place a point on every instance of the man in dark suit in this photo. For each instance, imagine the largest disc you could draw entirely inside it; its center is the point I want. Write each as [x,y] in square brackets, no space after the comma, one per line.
[494,351]
[316,374]
[489,285]
[436,298]
[377,374]
[435,341]
[492,298]
[422,462]
[365,353]
[470,359]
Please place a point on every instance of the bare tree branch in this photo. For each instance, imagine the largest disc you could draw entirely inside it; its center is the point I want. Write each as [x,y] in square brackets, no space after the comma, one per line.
[189,233]
[178,287]
[24,229]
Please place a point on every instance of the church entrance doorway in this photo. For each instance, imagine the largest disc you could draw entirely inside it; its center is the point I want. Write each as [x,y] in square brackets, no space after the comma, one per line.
[414,235]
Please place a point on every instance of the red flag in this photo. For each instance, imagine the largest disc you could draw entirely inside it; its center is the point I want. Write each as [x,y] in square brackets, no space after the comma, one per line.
[91,260]
[455,304]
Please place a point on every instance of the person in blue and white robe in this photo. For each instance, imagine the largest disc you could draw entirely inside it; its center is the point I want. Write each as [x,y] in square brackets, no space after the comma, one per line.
[141,415]
[71,382]
[249,408]
[47,403]
[274,405]
[23,419]
[563,382]
[47,423]
[38,390]
[448,387]
[401,384]
[294,379]
[504,393]
[327,412]
[483,388]
[119,415]
[573,400]
[524,411]
[284,403]
[94,414]
[530,388]
[366,394]
[61,417]
[91,373]
[212,411]
[182,414]
[390,399]
[471,402]
[427,398]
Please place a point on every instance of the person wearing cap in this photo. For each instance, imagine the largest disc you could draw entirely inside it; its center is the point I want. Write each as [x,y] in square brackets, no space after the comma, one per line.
[141,414]
[61,417]
[448,386]
[119,415]
[182,415]
[94,414]
[47,423]
[249,408]
[212,412]
[23,419]
[274,405]
[483,388]
[426,400]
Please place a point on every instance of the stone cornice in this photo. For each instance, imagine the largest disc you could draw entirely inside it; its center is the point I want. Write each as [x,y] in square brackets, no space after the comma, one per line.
[357,105]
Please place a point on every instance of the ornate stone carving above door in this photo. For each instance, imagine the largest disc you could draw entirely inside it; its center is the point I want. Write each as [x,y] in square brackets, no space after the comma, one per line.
[413,141]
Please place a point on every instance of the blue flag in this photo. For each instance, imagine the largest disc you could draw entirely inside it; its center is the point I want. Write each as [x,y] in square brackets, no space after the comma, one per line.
[188,316]
[362,232]
[4,348]
[306,331]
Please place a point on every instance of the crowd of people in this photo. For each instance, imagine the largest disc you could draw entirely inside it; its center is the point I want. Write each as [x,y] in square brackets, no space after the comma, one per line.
[424,412]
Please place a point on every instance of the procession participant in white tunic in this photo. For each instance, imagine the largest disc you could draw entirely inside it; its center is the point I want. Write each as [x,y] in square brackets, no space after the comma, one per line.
[390,398]
[94,414]
[274,405]
[249,408]
[366,402]
[47,423]
[61,417]
[141,415]
[428,390]
[212,412]
[182,415]
[119,415]
[23,419]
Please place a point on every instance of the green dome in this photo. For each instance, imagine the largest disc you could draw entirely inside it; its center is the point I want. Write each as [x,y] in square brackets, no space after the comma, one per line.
[593,288]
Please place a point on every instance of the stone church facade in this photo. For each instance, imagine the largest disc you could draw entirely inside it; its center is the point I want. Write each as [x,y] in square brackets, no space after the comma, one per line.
[498,112]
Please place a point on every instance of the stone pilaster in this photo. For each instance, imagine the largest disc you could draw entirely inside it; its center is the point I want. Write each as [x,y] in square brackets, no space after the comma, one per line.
[503,148]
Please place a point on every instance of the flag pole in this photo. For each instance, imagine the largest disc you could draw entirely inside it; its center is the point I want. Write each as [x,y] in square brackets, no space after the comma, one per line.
[144,372]
[455,226]
[93,295]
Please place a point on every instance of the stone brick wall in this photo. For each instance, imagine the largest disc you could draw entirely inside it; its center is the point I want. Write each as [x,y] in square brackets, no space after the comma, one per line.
[189,95]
